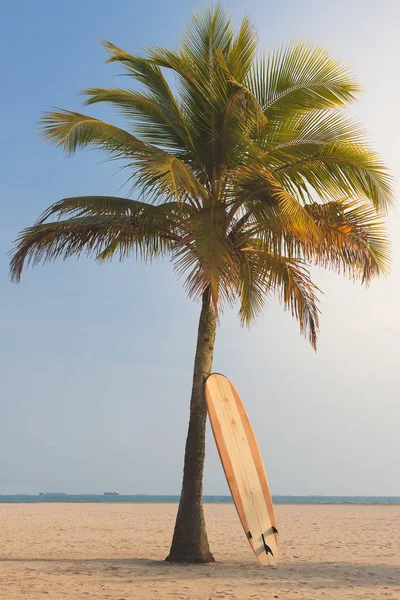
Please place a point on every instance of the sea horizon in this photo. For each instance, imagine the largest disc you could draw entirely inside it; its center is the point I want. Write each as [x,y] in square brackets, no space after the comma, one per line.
[52,497]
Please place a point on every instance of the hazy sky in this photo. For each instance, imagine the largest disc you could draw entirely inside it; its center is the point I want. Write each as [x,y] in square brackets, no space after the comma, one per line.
[96,361]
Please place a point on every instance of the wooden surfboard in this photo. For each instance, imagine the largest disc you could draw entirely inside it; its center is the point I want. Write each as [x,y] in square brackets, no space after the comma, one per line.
[243,466]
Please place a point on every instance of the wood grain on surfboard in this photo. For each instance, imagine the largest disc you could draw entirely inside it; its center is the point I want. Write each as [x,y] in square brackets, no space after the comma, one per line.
[243,466]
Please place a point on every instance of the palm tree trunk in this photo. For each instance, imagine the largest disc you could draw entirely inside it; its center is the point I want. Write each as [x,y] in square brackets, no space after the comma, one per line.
[190,543]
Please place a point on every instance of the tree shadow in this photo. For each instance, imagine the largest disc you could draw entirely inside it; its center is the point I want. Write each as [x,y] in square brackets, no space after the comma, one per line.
[83,561]
[310,574]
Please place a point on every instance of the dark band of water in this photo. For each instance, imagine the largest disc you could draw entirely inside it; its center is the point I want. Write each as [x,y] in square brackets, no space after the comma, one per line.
[208,499]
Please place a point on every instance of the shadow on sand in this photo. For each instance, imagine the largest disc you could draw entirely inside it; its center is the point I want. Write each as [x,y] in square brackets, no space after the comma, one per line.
[309,574]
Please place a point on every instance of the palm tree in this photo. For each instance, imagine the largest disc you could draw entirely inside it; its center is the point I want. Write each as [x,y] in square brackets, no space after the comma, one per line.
[248,172]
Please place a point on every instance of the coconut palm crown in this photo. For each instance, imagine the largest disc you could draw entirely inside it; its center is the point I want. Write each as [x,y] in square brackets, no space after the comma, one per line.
[245,173]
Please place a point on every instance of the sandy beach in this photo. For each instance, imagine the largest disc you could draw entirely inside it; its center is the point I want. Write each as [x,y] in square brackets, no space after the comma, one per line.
[116,551]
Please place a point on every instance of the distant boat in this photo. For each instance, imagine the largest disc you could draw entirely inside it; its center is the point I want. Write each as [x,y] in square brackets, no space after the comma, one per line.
[114,493]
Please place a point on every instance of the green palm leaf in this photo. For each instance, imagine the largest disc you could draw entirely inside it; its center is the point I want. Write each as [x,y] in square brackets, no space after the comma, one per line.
[301,77]
[71,131]
[151,120]
[340,168]
[153,167]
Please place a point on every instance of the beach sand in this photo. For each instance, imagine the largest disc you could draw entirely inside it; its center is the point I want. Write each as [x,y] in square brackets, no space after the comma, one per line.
[116,551]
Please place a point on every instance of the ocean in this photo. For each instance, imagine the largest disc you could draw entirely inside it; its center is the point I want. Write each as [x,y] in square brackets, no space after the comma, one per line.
[29,498]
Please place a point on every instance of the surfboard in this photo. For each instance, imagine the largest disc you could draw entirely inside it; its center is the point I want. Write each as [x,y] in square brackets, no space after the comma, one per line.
[243,466]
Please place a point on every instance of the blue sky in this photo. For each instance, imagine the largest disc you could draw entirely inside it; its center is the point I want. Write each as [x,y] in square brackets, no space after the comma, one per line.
[96,361]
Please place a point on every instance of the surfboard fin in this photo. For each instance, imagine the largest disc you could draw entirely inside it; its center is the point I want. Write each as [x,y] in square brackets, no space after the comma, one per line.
[249,535]
[274,529]
[266,547]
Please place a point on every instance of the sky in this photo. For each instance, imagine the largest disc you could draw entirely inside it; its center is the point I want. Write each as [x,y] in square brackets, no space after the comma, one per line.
[96,361]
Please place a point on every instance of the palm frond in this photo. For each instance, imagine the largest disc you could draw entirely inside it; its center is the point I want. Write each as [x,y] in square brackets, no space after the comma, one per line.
[353,240]
[311,129]
[151,121]
[145,71]
[204,33]
[206,66]
[301,77]
[97,236]
[71,131]
[252,288]
[153,168]
[79,206]
[242,51]
[287,278]
[255,188]
[207,256]
[340,168]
